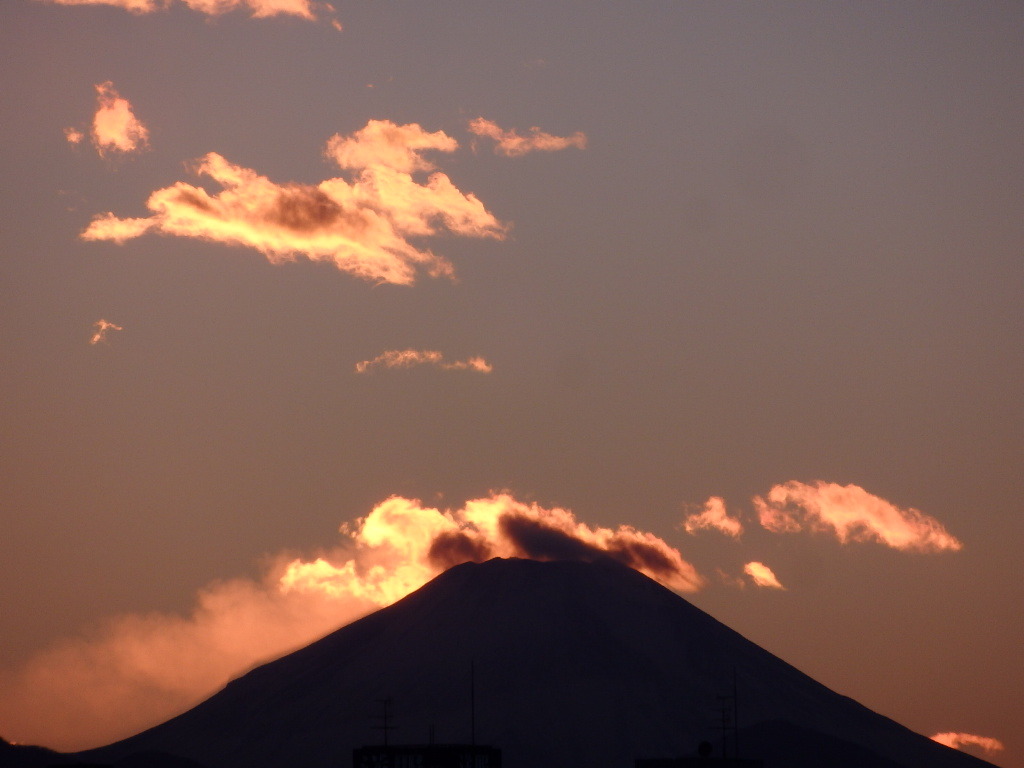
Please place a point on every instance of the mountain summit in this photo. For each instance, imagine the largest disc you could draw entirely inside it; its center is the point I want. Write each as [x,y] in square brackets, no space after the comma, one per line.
[576,664]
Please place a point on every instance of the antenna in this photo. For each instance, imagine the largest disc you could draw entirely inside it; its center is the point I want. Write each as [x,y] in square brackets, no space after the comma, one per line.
[472,706]
[385,719]
[730,721]
[735,716]
[726,725]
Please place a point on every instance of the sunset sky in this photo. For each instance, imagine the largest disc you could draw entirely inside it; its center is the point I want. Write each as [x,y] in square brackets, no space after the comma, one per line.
[302,304]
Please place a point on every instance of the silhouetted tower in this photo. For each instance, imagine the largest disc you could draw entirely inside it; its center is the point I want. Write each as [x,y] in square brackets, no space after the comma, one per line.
[730,720]
[472,703]
[385,725]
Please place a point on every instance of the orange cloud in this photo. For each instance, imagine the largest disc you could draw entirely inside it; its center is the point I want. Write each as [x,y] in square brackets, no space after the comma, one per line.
[382,143]
[102,326]
[73,135]
[363,226]
[408,358]
[511,144]
[852,514]
[114,127]
[762,575]
[713,517]
[960,740]
[430,541]
[108,227]
[259,8]
[138,670]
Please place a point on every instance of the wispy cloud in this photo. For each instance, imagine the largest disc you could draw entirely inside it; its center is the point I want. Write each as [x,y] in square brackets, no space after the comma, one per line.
[135,6]
[987,744]
[729,580]
[141,669]
[762,575]
[409,358]
[363,226]
[101,327]
[108,227]
[851,514]
[511,144]
[713,516]
[114,126]
[259,9]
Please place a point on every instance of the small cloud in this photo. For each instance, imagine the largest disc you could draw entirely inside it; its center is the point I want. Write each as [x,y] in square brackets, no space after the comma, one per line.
[73,135]
[986,744]
[762,575]
[713,517]
[108,227]
[101,327]
[409,358]
[259,9]
[114,127]
[511,144]
[729,580]
[365,225]
[851,514]
[383,144]
[135,6]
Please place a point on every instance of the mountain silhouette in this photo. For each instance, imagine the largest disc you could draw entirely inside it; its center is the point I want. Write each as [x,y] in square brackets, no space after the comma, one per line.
[574,664]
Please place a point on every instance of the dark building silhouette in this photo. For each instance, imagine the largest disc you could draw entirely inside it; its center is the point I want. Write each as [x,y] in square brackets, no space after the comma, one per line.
[703,758]
[697,762]
[427,756]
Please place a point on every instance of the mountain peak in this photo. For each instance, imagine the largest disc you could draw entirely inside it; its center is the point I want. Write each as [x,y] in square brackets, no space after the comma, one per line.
[575,663]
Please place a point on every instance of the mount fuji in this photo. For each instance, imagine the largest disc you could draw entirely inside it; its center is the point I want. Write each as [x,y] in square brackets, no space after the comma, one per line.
[575,663]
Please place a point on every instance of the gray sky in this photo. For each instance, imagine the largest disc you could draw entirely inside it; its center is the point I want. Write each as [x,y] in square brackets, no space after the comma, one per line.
[788,251]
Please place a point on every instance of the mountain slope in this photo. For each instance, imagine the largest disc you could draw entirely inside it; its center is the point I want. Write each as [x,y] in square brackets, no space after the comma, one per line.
[575,664]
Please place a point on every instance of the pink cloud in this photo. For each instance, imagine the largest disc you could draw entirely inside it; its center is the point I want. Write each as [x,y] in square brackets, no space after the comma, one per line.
[108,227]
[762,575]
[511,144]
[409,358]
[987,744]
[135,6]
[384,144]
[713,517]
[101,328]
[364,226]
[259,9]
[851,514]
[729,580]
[114,126]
